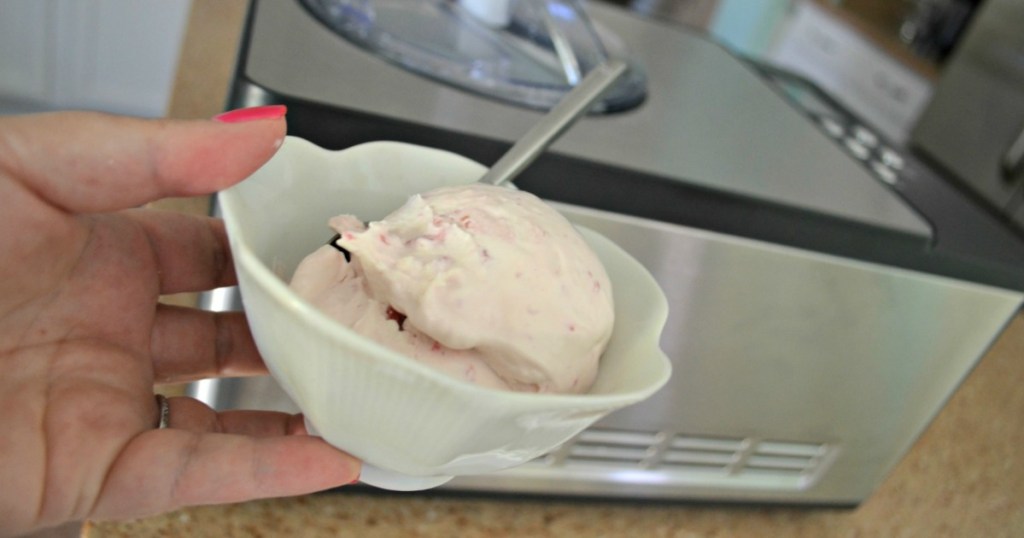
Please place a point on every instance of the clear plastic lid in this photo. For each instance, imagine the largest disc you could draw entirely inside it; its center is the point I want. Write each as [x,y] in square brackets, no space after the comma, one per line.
[526,52]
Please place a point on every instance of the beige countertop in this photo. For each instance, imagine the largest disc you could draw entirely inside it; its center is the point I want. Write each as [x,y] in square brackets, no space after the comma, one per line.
[964,476]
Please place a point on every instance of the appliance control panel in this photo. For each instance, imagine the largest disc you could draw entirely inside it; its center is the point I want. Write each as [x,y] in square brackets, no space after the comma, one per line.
[884,160]
[978,233]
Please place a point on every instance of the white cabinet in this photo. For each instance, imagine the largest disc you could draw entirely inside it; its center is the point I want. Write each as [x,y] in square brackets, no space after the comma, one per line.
[111,55]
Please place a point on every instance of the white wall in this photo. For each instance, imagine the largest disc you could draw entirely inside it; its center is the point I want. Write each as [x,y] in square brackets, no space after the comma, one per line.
[111,55]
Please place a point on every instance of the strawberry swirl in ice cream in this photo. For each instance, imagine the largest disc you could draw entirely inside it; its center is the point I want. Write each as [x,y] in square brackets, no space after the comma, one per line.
[487,284]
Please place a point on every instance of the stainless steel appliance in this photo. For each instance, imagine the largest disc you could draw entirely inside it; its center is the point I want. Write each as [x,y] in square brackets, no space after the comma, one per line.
[828,291]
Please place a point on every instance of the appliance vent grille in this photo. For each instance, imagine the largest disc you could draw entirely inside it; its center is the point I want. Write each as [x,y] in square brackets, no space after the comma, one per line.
[688,459]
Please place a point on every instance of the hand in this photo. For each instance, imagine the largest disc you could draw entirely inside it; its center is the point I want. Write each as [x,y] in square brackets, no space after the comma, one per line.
[83,339]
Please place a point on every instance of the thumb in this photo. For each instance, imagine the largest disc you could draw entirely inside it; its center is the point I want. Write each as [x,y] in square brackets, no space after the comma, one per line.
[92,162]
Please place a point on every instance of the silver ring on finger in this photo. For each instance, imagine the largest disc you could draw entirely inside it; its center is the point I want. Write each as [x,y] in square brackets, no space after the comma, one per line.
[164,417]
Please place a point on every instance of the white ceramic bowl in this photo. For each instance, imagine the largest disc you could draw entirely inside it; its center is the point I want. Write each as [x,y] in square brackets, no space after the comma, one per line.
[413,427]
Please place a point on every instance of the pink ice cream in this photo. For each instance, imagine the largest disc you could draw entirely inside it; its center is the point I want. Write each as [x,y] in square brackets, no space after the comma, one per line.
[487,284]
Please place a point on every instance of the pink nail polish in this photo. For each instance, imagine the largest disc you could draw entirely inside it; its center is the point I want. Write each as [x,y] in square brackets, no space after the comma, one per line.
[269,112]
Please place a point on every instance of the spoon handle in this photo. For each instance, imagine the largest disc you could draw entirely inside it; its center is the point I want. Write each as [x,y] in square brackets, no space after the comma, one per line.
[554,123]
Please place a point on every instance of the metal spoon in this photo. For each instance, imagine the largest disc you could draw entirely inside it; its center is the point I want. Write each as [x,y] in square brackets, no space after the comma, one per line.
[554,123]
[544,132]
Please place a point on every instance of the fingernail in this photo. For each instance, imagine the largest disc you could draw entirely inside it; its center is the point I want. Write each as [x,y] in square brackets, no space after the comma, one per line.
[269,112]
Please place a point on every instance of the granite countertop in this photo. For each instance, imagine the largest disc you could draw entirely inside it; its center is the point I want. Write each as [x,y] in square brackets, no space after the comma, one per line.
[963,477]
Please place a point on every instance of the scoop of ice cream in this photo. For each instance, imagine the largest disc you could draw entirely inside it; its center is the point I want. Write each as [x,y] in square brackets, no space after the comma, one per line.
[486,283]
[339,289]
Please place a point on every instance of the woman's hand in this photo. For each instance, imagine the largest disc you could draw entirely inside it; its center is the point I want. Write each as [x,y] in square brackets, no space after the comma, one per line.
[83,339]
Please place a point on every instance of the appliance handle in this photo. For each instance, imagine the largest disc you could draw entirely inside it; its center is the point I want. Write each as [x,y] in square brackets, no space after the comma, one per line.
[1012,163]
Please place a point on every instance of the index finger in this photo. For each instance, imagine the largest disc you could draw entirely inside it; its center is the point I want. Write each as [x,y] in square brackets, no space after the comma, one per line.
[93,162]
